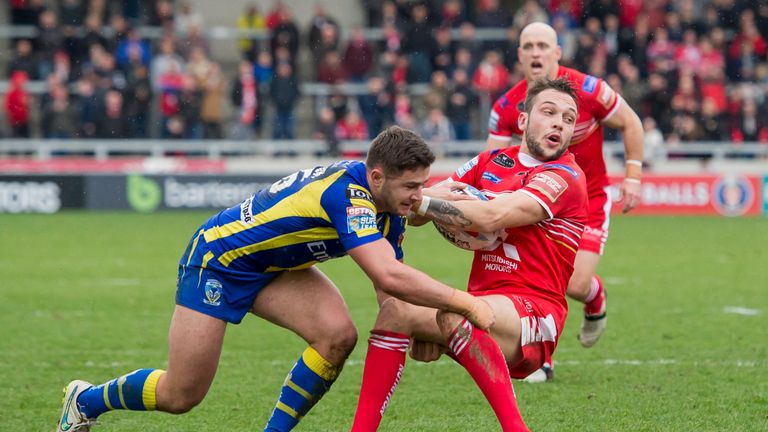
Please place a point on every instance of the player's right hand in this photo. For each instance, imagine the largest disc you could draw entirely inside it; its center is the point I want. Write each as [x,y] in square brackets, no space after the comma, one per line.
[424,351]
[447,191]
[481,314]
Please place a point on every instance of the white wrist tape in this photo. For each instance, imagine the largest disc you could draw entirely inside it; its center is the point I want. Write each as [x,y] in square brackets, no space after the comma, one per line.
[634,162]
[632,180]
[422,210]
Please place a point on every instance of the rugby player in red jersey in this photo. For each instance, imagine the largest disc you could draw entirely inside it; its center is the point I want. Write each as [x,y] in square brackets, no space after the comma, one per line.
[599,106]
[538,197]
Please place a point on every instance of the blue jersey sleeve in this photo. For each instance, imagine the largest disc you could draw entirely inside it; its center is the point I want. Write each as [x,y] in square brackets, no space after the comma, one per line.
[352,213]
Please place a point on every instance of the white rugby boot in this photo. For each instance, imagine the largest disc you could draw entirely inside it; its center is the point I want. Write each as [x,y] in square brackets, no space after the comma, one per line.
[72,420]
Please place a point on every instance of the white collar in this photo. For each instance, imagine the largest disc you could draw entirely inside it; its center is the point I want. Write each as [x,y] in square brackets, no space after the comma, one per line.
[528,161]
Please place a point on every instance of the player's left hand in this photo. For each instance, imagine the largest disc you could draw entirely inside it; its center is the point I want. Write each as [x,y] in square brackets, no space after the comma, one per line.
[424,351]
[629,192]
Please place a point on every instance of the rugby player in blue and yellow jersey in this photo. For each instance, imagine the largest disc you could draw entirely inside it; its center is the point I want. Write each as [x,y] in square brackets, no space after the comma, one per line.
[259,257]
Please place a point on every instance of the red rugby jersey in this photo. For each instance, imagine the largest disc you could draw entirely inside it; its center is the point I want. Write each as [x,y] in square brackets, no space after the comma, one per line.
[534,260]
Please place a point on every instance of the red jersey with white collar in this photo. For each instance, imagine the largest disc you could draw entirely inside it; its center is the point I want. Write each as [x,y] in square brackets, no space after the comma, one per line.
[596,102]
[534,260]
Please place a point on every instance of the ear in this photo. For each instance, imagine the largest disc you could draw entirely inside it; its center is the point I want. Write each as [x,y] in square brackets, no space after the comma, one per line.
[377,176]
[558,53]
[522,121]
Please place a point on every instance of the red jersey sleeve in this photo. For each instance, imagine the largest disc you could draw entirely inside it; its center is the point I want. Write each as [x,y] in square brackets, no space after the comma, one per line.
[598,98]
[557,187]
[502,123]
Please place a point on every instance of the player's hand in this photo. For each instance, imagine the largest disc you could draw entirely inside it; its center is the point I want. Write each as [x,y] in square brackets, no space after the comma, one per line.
[629,192]
[481,314]
[447,191]
[425,351]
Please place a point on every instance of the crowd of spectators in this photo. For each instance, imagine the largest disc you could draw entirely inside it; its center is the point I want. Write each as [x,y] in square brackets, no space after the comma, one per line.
[695,70]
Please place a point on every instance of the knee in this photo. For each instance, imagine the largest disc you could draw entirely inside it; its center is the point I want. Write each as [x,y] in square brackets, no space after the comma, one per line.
[448,321]
[181,402]
[395,315]
[340,339]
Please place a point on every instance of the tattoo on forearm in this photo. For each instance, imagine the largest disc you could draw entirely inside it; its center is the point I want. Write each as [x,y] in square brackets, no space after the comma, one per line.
[446,213]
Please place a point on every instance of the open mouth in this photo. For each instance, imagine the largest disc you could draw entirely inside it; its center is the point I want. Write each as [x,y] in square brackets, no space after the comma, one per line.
[536,66]
[553,139]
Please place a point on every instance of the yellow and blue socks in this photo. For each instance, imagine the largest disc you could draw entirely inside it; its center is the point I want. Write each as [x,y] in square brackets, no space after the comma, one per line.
[308,381]
[134,391]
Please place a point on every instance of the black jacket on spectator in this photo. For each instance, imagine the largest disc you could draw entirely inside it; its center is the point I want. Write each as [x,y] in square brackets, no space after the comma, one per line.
[460,102]
[108,127]
[284,92]
[713,128]
[25,64]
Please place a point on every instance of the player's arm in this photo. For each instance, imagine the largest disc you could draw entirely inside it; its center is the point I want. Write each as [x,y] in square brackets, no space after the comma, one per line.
[505,211]
[413,286]
[626,120]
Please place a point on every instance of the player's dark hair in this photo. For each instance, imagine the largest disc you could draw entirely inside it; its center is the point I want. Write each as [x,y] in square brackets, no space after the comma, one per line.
[396,150]
[561,84]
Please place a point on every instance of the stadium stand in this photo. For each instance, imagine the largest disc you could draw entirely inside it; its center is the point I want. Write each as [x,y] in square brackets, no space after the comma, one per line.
[81,70]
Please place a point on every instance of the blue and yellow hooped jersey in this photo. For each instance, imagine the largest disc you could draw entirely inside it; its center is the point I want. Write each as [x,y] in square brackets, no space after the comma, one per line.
[308,217]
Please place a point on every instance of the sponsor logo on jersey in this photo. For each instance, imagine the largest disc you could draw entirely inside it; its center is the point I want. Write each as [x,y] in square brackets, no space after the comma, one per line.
[732,195]
[493,121]
[504,161]
[537,329]
[493,262]
[212,292]
[319,251]
[504,102]
[590,83]
[565,168]
[360,219]
[491,177]
[466,167]
[550,184]
[607,96]
[246,211]
[358,194]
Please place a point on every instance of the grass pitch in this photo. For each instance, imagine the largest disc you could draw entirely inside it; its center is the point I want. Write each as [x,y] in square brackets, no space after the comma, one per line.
[90,296]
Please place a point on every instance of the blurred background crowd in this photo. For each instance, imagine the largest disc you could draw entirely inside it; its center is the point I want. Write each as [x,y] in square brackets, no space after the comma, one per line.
[694,70]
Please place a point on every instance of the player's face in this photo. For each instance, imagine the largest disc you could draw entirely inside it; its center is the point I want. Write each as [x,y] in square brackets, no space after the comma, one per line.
[549,127]
[398,192]
[539,54]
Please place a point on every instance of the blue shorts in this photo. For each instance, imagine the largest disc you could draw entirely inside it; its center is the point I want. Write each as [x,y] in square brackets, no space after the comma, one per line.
[224,296]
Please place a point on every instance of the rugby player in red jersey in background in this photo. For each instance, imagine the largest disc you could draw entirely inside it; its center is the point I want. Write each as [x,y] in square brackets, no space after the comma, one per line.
[599,105]
[537,196]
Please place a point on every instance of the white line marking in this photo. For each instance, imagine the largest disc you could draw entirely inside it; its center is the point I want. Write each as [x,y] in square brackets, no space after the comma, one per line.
[741,310]
[444,361]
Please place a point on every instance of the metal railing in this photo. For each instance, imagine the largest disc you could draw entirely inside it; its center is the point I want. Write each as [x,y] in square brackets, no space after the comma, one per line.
[217,149]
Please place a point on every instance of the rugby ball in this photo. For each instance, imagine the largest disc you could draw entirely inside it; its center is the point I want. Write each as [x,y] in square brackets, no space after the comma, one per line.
[469,240]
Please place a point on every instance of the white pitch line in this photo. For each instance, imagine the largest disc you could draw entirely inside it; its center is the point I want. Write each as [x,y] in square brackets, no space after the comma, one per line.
[738,310]
[605,362]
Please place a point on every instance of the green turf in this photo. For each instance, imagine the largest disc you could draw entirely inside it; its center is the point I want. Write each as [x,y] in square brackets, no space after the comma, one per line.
[90,296]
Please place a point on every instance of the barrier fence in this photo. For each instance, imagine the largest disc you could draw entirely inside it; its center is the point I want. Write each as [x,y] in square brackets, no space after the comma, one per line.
[725,195]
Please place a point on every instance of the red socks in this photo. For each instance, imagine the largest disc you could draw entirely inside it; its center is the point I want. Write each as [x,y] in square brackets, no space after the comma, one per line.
[384,365]
[476,350]
[594,304]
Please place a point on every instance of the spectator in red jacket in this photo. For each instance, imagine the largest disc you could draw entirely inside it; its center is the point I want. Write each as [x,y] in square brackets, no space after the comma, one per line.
[491,76]
[358,57]
[17,102]
[351,127]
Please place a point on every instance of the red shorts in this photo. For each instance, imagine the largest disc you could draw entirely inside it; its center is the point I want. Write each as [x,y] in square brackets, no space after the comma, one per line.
[541,323]
[598,218]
